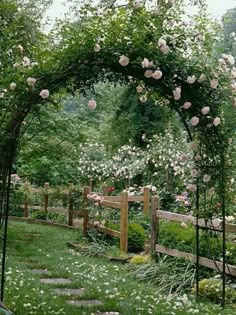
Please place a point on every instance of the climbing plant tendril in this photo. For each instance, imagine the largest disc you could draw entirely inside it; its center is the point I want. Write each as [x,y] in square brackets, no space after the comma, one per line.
[168,59]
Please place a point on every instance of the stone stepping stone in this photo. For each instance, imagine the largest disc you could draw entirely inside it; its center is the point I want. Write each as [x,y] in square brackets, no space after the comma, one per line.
[40,271]
[85,303]
[56,281]
[64,291]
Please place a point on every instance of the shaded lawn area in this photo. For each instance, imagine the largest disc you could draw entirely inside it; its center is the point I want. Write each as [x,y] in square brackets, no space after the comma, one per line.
[37,246]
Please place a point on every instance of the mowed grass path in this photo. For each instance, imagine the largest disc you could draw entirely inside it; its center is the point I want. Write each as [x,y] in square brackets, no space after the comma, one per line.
[35,246]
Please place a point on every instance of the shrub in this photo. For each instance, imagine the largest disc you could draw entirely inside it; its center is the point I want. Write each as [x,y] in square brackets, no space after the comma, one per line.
[212,289]
[140,260]
[41,215]
[136,237]
[174,236]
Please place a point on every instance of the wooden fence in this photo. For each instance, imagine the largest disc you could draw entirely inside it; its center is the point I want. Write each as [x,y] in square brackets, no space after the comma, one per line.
[120,203]
[116,202]
[157,214]
[45,193]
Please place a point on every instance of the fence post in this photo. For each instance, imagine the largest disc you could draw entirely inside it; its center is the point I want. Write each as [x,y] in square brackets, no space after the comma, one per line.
[46,187]
[154,222]
[104,190]
[146,199]
[71,206]
[86,213]
[124,223]
[92,184]
[26,207]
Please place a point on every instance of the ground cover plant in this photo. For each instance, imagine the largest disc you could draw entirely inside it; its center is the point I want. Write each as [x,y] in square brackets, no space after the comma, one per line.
[36,246]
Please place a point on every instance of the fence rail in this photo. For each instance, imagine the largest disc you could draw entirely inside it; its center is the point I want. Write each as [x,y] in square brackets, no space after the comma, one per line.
[45,192]
[120,203]
[157,214]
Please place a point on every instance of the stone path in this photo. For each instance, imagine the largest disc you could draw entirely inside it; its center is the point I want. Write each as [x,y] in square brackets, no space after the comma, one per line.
[65,291]
[87,303]
[56,281]
[77,292]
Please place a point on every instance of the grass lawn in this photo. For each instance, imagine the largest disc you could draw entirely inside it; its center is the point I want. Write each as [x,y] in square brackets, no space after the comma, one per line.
[35,246]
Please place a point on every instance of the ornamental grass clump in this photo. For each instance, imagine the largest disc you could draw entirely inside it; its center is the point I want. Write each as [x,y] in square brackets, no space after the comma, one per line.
[171,277]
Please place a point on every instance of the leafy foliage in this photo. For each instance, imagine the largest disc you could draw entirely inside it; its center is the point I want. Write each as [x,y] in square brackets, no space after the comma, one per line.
[136,237]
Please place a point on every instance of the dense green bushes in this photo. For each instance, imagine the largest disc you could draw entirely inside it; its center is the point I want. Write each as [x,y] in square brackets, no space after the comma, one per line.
[212,289]
[183,238]
[136,236]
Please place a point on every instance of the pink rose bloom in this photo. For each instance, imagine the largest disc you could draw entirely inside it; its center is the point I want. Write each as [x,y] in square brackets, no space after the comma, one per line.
[192,187]
[12,86]
[202,78]
[230,60]
[194,173]
[216,121]
[161,42]
[26,62]
[212,191]
[139,89]
[157,75]
[187,105]
[193,146]
[183,158]
[137,4]
[234,86]
[194,121]
[153,189]
[214,83]
[44,94]
[205,110]
[165,49]
[92,104]
[31,81]
[145,63]
[177,93]
[191,79]
[124,61]
[21,48]
[206,178]
[222,62]
[233,73]
[148,74]
[97,48]
[143,99]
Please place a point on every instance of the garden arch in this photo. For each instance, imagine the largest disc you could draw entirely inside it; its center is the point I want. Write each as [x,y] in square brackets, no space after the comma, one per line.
[168,62]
